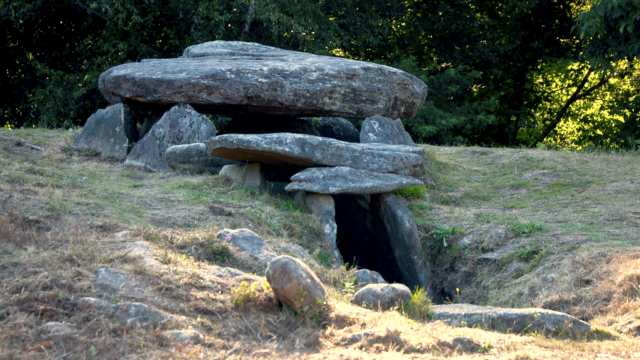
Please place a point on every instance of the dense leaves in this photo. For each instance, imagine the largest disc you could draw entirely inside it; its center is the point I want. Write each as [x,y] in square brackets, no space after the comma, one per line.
[507,72]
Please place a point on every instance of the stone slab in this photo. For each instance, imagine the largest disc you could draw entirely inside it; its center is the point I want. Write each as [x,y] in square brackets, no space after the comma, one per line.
[343,180]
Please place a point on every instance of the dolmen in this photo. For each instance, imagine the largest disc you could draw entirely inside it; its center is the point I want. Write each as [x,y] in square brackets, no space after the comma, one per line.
[289,134]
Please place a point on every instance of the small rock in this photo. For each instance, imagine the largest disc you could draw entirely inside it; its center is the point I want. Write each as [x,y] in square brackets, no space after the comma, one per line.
[129,313]
[184,336]
[549,278]
[178,126]
[296,250]
[366,277]
[56,328]
[510,320]
[295,285]
[246,175]
[113,278]
[512,270]
[193,158]
[467,240]
[141,251]
[249,242]
[223,272]
[123,234]
[541,268]
[379,129]
[109,132]
[499,254]
[382,296]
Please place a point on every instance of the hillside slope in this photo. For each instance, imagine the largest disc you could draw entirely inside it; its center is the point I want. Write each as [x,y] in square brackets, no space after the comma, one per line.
[522,228]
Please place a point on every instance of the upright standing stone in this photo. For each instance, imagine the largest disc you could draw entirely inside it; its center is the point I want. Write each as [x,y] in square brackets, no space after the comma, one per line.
[396,221]
[336,128]
[178,126]
[109,132]
[382,130]
[323,207]
[232,78]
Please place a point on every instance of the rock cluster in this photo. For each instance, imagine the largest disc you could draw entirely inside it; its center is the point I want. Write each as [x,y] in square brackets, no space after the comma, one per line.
[286,136]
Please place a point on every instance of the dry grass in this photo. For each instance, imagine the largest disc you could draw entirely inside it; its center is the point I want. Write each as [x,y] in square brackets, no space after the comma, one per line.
[61,213]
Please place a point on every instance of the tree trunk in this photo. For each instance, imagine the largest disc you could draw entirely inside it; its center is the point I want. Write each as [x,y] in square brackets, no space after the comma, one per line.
[516,108]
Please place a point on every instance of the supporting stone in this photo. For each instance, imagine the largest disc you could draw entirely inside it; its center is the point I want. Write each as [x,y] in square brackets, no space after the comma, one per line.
[108,132]
[194,159]
[246,175]
[323,207]
[395,221]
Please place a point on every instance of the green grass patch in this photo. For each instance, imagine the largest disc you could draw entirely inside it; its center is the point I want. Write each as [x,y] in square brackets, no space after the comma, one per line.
[526,228]
[418,307]
[412,192]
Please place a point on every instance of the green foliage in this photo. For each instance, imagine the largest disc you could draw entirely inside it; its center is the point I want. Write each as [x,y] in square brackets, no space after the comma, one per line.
[415,191]
[418,307]
[244,293]
[220,253]
[436,240]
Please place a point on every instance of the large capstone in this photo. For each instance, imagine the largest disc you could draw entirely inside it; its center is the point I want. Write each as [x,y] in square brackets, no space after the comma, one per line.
[232,77]
[108,132]
[178,126]
[344,180]
[287,149]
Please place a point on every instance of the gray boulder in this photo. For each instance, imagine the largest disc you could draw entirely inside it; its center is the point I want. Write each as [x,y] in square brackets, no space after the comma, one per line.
[395,221]
[108,131]
[250,243]
[335,128]
[510,320]
[194,159]
[286,149]
[296,250]
[184,336]
[232,77]
[367,277]
[246,175]
[382,296]
[498,254]
[129,313]
[379,129]
[344,180]
[178,126]
[295,285]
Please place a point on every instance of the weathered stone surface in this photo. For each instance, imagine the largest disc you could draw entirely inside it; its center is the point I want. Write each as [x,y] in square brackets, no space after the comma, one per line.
[367,277]
[344,180]
[268,124]
[130,313]
[111,277]
[296,250]
[194,159]
[178,126]
[400,228]
[382,296]
[246,175]
[249,242]
[231,77]
[286,149]
[336,128]
[511,320]
[324,208]
[108,131]
[54,328]
[141,252]
[295,285]
[379,129]
[184,336]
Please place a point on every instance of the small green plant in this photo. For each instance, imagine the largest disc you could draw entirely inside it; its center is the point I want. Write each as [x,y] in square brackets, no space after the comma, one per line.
[526,254]
[418,307]
[220,253]
[525,228]
[415,191]
[93,351]
[244,293]
[322,258]
[287,203]
[439,235]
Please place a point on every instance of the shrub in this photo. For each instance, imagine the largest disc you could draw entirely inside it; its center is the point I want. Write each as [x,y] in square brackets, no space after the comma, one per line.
[418,307]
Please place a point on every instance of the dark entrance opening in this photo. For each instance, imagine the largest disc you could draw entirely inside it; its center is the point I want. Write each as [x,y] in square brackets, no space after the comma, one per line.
[362,240]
